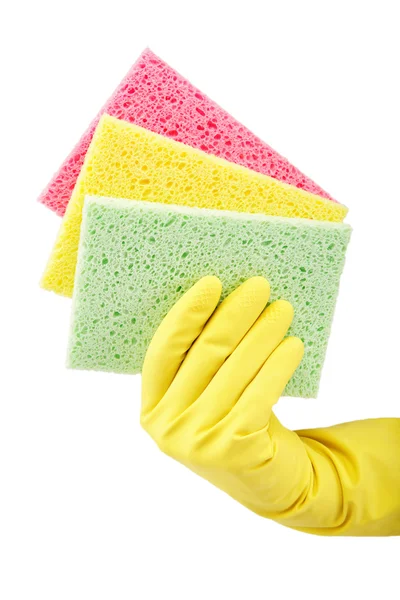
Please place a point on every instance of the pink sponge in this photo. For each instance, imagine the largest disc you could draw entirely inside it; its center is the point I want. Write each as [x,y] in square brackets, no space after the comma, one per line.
[155,96]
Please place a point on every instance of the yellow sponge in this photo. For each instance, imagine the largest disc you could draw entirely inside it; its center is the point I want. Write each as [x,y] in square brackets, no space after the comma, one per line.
[127,161]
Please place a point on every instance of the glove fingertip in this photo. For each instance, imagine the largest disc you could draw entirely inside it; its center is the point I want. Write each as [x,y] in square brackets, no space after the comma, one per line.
[205,293]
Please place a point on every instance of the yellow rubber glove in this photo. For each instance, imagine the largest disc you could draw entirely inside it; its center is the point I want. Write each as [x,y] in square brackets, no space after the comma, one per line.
[210,379]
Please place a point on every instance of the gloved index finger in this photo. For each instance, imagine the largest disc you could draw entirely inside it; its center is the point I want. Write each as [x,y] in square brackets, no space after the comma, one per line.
[254,407]
[177,332]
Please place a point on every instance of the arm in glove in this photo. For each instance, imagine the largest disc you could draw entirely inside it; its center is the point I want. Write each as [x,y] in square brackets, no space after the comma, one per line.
[210,380]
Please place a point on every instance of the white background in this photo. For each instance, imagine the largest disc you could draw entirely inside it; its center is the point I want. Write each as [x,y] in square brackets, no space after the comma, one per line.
[89,508]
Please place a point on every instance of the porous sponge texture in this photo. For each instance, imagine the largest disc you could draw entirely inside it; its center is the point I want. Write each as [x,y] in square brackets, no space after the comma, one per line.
[155,96]
[127,161]
[137,258]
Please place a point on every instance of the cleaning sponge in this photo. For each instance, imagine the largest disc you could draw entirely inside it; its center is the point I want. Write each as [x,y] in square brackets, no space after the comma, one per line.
[127,161]
[137,258]
[155,96]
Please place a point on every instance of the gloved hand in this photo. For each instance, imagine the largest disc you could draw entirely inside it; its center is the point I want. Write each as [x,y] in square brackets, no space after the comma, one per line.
[210,379]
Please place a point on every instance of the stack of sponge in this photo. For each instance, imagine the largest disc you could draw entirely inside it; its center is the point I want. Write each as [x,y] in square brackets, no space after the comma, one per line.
[165,187]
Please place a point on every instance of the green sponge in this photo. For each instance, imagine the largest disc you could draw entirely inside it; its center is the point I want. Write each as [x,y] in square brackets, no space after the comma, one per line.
[137,258]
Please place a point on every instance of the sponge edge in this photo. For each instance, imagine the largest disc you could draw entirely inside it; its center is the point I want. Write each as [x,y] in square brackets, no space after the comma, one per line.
[136,259]
[155,96]
[126,161]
